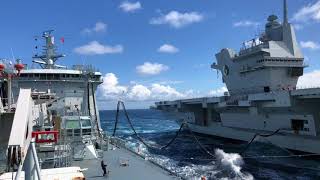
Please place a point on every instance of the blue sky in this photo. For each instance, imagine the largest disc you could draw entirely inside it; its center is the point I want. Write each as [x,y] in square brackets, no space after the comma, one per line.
[124,39]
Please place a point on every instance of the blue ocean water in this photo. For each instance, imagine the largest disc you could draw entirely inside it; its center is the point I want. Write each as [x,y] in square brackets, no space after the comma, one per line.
[186,158]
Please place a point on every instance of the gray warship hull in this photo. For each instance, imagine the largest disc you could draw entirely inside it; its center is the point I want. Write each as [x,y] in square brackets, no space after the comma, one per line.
[294,113]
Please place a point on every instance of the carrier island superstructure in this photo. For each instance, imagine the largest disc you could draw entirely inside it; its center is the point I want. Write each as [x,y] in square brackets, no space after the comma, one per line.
[262,93]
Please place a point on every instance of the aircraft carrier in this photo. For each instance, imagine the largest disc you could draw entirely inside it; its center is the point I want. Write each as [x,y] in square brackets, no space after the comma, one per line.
[262,98]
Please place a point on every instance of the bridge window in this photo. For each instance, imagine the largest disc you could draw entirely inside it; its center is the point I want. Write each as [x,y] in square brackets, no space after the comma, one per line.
[49,76]
[266,89]
[56,76]
[297,125]
[43,76]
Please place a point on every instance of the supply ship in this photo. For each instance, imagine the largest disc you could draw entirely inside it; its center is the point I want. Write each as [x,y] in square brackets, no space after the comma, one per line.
[262,97]
[50,126]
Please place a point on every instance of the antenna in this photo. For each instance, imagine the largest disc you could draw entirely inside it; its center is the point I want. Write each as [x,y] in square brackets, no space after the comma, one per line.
[12,54]
[285,12]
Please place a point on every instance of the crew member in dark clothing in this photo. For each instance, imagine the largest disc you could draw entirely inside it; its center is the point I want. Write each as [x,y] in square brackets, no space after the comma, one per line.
[104,169]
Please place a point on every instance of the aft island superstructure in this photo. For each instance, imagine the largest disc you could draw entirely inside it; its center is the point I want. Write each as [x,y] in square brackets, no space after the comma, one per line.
[262,93]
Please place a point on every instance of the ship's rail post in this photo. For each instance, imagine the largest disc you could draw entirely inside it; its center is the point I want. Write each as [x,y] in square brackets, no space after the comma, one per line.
[31,163]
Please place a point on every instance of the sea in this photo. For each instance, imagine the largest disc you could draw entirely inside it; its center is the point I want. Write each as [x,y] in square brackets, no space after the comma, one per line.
[185,157]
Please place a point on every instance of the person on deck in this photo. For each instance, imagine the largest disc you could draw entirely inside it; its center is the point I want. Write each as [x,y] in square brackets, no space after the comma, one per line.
[104,169]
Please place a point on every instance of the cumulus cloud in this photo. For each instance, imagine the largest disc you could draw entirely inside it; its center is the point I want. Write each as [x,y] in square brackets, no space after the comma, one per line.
[177,20]
[310,79]
[139,92]
[129,6]
[246,23]
[218,92]
[95,48]
[168,48]
[110,88]
[308,12]
[165,92]
[99,27]
[151,68]
[310,45]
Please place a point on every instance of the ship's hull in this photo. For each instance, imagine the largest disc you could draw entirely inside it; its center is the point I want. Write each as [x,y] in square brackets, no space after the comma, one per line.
[292,117]
[292,142]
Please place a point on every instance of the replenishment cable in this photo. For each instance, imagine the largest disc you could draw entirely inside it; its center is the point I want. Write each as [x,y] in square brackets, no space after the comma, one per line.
[256,135]
[117,118]
[153,147]
[120,103]
[197,141]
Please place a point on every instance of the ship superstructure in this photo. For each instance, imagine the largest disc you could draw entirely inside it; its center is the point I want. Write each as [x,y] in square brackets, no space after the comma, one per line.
[262,93]
[271,62]
[50,126]
[74,89]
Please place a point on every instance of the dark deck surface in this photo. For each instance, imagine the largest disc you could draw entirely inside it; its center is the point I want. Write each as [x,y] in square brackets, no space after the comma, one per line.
[137,169]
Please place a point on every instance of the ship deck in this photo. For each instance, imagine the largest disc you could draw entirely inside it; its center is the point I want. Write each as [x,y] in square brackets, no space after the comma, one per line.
[137,168]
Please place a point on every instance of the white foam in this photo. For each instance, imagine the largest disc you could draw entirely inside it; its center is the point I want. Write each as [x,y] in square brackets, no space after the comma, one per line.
[231,163]
[226,166]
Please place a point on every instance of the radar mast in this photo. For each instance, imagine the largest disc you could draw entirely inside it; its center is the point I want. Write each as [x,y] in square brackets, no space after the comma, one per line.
[49,57]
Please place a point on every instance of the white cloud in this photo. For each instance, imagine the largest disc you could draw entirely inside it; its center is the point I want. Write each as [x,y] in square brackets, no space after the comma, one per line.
[165,92]
[95,48]
[130,7]
[151,68]
[310,45]
[168,48]
[309,12]
[310,79]
[110,87]
[111,90]
[246,23]
[139,93]
[99,27]
[218,92]
[177,20]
